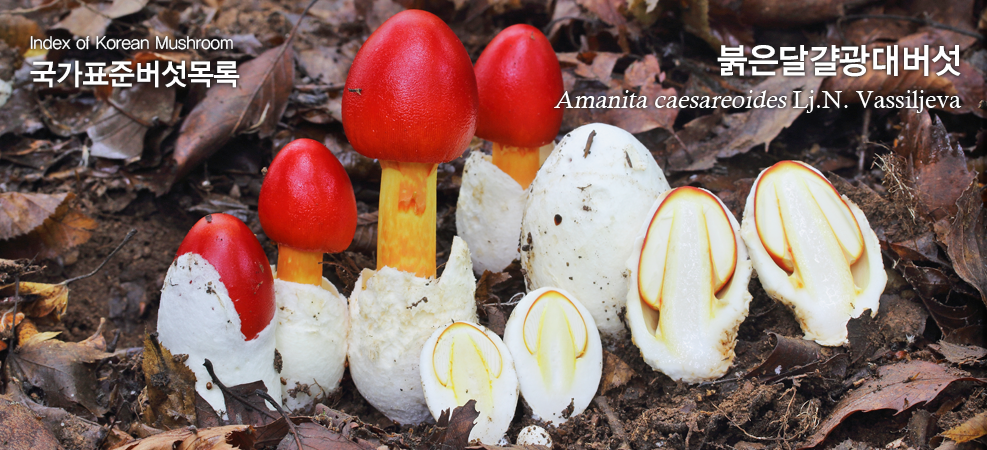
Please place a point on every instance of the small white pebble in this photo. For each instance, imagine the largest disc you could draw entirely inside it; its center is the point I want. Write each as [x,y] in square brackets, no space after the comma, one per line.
[534,435]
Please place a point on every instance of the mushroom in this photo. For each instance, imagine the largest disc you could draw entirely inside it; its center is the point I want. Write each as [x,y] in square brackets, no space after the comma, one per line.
[534,435]
[410,101]
[688,286]
[557,353]
[520,83]
[217,303]
[813,250]
[593,192]
[465,361]
[307,206]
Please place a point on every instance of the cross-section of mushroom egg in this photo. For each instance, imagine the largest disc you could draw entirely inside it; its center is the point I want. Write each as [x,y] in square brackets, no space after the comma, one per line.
[813,250]
[462,362]
[557,353]
[688,287]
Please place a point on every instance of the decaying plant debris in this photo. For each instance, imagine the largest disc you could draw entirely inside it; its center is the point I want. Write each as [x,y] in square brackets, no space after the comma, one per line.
[79,167]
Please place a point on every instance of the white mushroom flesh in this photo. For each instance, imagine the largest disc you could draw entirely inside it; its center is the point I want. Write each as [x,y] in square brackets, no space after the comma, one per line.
[392,314]
[557,353]
[197,318]
[813,250]
[313,323]
[587,199]
[688,291]
[462,362]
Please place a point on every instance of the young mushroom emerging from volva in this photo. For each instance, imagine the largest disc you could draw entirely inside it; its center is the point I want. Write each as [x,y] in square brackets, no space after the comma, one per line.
[557,353]
[307,206]
[588,199]
[688,286]
[813,250]
[217,303]
[520,83]
[410,101]
[465,361]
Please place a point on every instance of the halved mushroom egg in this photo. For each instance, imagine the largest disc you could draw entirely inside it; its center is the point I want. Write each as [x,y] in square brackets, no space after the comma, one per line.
[557,353]
[813,250]
[464,361]
[688,286]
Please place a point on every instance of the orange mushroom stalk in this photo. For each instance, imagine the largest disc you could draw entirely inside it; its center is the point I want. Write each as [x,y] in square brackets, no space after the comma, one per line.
[520,83]
[410,101]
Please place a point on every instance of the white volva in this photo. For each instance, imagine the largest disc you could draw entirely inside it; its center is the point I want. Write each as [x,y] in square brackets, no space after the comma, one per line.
[688,287]
[813,250]
[197,318]
[557,353]
[465,361]
[585,202]
[534,435]
[488,213]
[392,314]
[313,323]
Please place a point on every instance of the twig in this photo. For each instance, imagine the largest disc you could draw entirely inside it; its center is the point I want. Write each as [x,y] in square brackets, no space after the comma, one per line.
[284,47]
[864,139]
[126,239]
[291,425]
[919,20]
[226,390]
[615,424]
[589,143]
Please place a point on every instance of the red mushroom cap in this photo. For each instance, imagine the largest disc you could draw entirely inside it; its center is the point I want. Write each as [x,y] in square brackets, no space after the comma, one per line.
[233,250]
[411,94]
[307,201]
[520,83]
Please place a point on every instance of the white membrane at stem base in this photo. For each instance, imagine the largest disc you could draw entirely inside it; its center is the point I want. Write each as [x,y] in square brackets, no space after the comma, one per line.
[582,212]
[392,314]
[197,318]
[313,323]
[465,361]
[691,341]
[488,214]
[557,353]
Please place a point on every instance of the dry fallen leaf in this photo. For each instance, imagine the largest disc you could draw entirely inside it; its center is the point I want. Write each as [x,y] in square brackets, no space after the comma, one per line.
[45,303]
[41,225]
[898,386]
[314,436]
[18,31]
[91,19]
[170,387]
[61,370]
[959,354]
[231,437]
[966,238]
[717,136]
[118,131]
[786,13]
[616,372]
[788,353]
[969,430]
[21,430]
[255,105]
[452,430]
[935,171]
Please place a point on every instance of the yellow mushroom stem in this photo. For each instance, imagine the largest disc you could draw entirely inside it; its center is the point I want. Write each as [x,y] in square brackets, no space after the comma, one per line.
[520,163]
[406,219]
[299,266]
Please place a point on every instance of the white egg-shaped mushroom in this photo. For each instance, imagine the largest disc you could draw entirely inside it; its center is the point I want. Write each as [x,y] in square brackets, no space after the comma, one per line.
[465,361]
[392,314]
[813,250]
[688,286]
[488,213]
[534,435]
[312,327]
[557,353]
[217,304]
[590,196]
